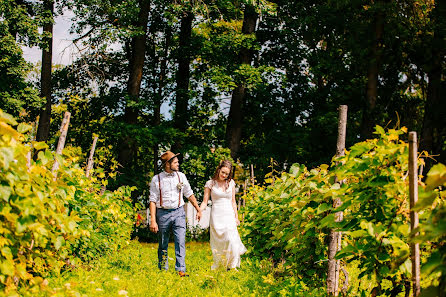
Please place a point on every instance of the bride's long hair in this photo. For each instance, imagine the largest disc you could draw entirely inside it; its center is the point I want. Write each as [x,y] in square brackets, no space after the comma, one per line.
[227,164]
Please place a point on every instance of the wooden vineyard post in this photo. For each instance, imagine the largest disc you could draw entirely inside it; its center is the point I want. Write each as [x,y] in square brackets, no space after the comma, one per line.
[33,138]
[90,158]
[62,138]
[334,241]
[28,158]
[245,190]
[413,194]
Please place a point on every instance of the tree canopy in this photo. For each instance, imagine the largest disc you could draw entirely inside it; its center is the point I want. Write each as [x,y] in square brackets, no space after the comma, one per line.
[261,78]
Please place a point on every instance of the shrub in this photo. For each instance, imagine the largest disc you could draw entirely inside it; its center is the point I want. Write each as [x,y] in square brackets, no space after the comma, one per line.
[289,220]
[48,224]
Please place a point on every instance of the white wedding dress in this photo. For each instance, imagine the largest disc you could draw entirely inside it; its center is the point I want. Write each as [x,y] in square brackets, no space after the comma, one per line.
[225,241]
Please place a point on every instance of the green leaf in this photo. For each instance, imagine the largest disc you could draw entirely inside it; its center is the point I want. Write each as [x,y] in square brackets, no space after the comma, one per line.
[23,128]
[379,130]
[45,156]
[6,252]
[436,176]
[7,118]
[59,242]
[404,229]
[296,169]
[323,207]
[328,220]
[347,251]
[41,145]
[426,199]
[344,205]
[6,156]
[406,267]
[72,225]
[359,149]
[5,192]
[358,233]
[7,267]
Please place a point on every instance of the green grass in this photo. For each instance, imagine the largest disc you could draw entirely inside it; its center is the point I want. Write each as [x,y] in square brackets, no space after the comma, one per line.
[133,272]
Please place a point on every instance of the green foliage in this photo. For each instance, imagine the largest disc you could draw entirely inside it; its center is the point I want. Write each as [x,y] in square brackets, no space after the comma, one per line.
[219,45]
[310,57]
[17,96]
[289,220]
[197,234]
[376,202]
[106,219]
[433,230]
[49,225]
[279,222]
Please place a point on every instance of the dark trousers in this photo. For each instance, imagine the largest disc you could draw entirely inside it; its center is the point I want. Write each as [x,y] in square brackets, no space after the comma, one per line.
[171,220]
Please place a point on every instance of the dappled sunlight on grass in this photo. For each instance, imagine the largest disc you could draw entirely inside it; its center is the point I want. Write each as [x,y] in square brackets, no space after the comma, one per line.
[134,272]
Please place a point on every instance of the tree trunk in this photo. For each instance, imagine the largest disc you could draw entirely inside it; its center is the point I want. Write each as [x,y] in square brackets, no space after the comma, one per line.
[159,96]
[43,130]
[61,143]
[235,117]
[90,158]
[413,195]
[369,116]
[183,76]
[432,134]
[136,63]
[334,239]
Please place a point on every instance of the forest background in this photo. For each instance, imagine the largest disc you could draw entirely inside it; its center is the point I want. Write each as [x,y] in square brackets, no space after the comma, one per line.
[256,80]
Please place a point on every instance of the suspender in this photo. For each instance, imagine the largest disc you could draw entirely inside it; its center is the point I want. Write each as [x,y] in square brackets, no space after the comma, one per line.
[161,195]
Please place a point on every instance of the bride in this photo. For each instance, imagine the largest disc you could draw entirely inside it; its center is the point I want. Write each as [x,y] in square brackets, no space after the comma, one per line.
[225,241]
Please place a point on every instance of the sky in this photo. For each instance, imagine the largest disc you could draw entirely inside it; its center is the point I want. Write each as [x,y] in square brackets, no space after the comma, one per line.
[63,51]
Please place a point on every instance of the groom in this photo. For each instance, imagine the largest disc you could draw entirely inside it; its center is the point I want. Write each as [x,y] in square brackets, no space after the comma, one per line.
[167,211]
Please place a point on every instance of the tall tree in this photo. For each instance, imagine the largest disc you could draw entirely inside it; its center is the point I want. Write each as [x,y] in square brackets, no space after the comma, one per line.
[18,27]
[158,97]
[375,54]
[43,129]
[235,117]
[183,74]
[137,51]
[434,131]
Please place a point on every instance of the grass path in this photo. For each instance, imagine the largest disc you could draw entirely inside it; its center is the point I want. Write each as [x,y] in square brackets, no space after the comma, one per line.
[133,272]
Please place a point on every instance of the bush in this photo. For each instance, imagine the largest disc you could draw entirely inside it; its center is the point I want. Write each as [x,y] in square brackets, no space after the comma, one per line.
[50,224]
[288,221]
[196,233]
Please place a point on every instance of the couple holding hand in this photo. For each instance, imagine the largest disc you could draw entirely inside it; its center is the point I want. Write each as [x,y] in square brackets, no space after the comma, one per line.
[167,214]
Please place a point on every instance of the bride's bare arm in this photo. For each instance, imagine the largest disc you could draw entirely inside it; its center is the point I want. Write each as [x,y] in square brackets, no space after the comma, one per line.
[234,204]
[207,193]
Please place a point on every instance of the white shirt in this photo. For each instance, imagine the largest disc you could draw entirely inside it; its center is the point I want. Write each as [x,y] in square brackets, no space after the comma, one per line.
[169,189]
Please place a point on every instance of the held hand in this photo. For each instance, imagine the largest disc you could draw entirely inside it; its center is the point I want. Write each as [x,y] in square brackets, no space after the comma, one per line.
[237,221]
[198,215]
[154,227]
